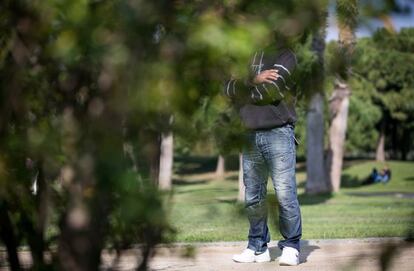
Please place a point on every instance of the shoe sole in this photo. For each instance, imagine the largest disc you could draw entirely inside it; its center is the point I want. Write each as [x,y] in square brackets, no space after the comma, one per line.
[238,261]
[241,261]
[255,261]
[263,261]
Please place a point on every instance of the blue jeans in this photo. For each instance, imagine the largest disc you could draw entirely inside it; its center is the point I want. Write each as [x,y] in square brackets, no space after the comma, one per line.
[271,151]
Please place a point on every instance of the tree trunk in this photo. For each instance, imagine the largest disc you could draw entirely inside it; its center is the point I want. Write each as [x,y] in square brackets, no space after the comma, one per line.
[154,156]
[347,14]
[38,239]
[34,224]
[84,222]
[166,161]
[380,154]
[220,169]
[8,237]
[338,104]
[315,171]
[81,238]
[240,196]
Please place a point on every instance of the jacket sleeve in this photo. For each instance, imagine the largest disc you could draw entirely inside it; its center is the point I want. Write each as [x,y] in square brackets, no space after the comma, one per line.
[265,93]
[238,89]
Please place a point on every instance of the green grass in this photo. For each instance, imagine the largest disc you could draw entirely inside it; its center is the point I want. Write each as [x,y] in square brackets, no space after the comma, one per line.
[205,209]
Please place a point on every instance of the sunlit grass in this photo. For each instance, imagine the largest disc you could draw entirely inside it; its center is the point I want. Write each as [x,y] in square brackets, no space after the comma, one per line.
[205,209]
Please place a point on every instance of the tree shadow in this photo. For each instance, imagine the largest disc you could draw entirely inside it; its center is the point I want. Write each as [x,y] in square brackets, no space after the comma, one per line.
[194,164]
[184,165]
[305,199]
[205,191]
[232,178]
[405,195]
[347,181]
[350,181]
[188,182]
[231,200]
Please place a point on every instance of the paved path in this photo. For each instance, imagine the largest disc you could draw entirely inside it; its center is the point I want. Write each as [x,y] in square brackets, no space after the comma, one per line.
[321,255]
[345,254]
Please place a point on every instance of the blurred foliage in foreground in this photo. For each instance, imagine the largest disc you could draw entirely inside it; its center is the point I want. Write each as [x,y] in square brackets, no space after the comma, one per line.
[86,89]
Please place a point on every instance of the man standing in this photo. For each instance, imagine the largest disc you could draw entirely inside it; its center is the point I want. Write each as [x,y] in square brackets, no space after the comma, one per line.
[265,102]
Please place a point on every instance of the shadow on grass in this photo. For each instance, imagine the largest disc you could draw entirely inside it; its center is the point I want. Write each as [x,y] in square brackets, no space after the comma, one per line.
[347,181]
[350,181]
[404,195]
[232,178]
[194,164]
[305,199]
[231,200]
[202,164]
[205,191]
[186,182]
[409,178]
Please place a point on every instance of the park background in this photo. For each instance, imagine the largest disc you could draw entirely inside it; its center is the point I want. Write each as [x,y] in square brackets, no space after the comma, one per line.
[114,132]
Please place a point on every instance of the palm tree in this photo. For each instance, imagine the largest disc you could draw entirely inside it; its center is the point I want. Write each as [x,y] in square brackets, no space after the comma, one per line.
[166,161]
[347,12]
[315,170]
[221,166]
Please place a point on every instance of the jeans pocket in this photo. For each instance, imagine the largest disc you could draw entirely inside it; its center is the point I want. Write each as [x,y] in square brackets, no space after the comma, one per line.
[284,138]
[285,161]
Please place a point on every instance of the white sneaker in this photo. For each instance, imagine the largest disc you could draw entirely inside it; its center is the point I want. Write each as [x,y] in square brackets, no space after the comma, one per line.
[249,256]
[262,258]
[290,256]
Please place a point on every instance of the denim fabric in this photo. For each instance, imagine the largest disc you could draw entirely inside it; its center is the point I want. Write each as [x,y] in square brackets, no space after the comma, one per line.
[271,152]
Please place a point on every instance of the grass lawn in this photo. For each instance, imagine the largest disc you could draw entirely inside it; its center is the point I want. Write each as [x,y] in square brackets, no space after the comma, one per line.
[205,209]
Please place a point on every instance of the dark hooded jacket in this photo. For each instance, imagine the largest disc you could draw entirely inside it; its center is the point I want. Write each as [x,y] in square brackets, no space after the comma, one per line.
[267,105]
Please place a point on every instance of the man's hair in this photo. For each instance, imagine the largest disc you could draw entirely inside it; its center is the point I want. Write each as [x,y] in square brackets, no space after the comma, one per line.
[289,39]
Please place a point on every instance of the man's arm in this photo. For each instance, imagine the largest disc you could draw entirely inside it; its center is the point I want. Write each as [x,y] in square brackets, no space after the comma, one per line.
[238,89]
[266,87]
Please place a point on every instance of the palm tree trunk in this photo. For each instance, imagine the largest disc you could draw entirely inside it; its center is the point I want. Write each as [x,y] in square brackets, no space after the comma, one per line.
[166,161]
[380,153]
[339,104]
[315,170]
[221,165]
[347,14]
[240,196]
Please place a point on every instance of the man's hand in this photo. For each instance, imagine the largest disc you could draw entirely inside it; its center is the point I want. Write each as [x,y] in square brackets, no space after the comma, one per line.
[267,76]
